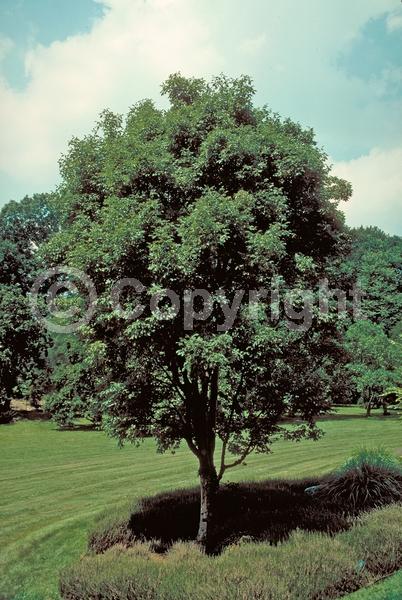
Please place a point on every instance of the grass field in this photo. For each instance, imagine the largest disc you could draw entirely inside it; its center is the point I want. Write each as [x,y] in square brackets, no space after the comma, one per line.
[53,484]
[389,589]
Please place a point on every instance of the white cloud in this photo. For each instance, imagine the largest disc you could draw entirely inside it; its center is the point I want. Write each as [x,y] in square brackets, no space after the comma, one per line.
[290,48]
[125,57]
[253,46]
[394,21]
[377,189]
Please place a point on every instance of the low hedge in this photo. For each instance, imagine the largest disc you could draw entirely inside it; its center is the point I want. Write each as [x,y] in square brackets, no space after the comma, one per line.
[307,566]
[378,540]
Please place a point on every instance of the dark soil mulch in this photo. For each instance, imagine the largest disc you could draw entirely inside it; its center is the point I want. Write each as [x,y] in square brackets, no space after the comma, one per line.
[266,511]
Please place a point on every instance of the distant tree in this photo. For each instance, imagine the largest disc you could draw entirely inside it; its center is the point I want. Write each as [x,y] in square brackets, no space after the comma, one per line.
[375,261]
[342,386]
[212,193]
[375,362]
[23,226]
[21,343]
[71,392]
[393,395]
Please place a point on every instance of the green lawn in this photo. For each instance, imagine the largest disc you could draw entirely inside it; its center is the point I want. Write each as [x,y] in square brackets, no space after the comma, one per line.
[389,589]
[53,483]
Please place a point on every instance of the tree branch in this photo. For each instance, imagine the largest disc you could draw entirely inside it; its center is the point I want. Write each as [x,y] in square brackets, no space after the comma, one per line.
[237,462]
[193,447]
[225,440]
[223,454]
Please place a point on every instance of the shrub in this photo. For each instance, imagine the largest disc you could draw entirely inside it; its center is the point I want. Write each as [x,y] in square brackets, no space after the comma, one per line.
[378,539]
[6,417]
[375,457]
[111,529]
[113,575]
[307,566]
[143,556]
[370,478]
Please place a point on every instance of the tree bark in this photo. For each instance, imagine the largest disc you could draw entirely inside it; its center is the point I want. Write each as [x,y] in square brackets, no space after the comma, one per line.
[208,489]
[368,409]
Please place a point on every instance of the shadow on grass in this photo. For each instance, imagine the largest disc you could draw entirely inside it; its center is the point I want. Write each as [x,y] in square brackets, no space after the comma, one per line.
[335,416]
[266,511]
[13,416]
[373,417]
[78,427]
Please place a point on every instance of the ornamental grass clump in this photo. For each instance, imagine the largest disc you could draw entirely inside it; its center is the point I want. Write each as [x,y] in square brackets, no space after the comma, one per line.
[369,479]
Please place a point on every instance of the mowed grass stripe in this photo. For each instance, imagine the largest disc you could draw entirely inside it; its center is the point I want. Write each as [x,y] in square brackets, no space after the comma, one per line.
[54,483]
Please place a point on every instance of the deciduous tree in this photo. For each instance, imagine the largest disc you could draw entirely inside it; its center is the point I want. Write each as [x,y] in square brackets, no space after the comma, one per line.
[212,194]
[23,226]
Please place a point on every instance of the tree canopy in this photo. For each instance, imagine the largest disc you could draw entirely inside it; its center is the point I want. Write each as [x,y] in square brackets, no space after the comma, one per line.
[211,194]
[375,262]
[23,227]
[375,360]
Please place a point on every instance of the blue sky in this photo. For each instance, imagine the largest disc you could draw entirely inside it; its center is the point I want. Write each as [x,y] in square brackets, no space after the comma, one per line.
[30,22]
[335,66]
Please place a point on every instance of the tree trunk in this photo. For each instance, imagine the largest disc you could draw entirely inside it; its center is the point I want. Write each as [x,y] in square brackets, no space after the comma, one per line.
[385,411]
[368,409]
[5,414]
[208,488]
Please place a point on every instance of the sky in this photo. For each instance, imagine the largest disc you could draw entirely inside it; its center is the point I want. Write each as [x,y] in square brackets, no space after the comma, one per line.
[333,66]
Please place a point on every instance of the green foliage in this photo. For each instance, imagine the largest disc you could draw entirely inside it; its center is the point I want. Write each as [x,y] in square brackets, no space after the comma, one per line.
[378,539]
[373,457]
[375,360]
[212,193]
[306,566]
[71,385]
[21,343]
[375,262]
[393,394]
[23,226]
[369,478]
[373,349]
